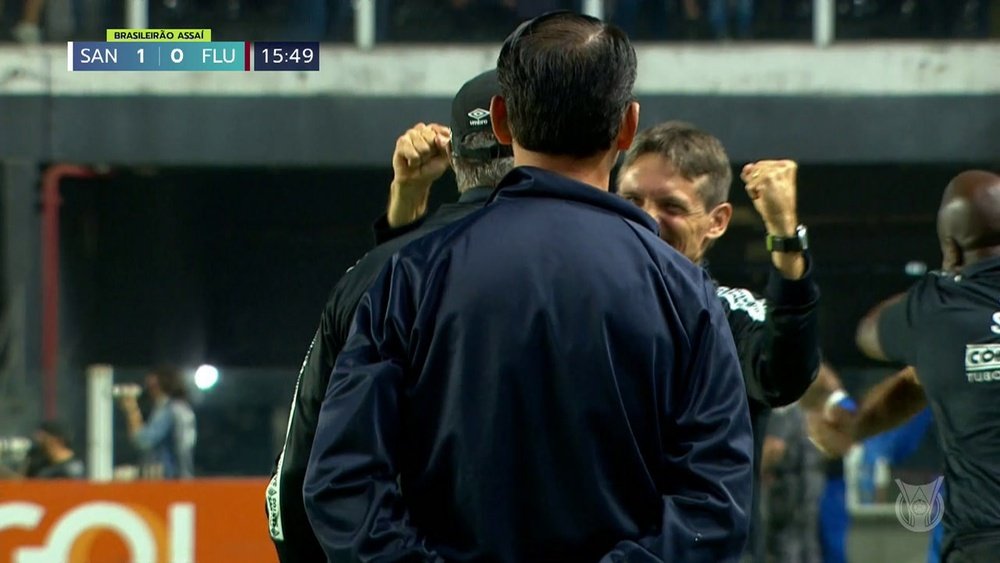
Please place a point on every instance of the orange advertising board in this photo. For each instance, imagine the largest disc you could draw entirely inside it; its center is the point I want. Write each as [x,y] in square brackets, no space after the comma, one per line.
[198,521]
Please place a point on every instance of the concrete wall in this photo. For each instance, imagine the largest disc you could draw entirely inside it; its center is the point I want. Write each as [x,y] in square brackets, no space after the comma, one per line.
[849,103]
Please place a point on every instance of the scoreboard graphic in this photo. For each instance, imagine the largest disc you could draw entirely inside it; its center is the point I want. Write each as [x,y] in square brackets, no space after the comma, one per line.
[187,50]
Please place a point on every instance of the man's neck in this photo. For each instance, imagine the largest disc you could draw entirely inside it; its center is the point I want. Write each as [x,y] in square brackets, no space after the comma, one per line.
[594,170]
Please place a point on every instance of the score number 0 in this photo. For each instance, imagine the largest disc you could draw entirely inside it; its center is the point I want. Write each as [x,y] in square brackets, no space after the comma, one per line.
[176,55]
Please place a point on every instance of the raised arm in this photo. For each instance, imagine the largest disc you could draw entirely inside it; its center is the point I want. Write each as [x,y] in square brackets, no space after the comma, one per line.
[780,340]
[421,157]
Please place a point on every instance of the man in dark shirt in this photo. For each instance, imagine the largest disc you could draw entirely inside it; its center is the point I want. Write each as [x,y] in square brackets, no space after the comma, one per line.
[422,155]
[947,328]
[545,379]
[681,176]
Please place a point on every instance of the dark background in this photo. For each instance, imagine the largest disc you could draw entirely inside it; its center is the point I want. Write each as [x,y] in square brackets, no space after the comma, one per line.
[232,267]
[216,227]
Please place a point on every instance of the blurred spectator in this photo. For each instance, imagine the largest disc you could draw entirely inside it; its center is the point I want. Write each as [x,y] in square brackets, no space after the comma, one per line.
[488,20]
[954,18]
[892,448]
[29,30]
[527,9]
[52,455]
[719,16]
[466,20]
[793,477]
[885,450]
[627,14]
[320,20]
[692,16]
[658,19]
[168,438]
[834,520]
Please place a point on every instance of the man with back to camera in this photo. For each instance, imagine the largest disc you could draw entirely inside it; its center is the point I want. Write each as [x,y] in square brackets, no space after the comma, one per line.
[421,156]
[947,329]
[680,176]
[544,379]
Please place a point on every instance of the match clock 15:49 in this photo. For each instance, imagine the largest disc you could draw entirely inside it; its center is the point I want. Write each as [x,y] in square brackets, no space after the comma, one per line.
[285,55]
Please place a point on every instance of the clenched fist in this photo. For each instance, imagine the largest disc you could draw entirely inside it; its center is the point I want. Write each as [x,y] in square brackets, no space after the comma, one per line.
[771,185]
[421,155]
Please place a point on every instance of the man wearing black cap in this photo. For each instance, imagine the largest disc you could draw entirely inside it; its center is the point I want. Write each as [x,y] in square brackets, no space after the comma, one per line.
[422,155]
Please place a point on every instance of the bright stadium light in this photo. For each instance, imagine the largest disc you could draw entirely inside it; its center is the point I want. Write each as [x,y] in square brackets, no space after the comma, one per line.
[916,268]
[206,376]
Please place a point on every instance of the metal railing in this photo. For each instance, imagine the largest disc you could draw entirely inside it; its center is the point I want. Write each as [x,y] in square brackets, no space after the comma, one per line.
[823,14]
[824,20]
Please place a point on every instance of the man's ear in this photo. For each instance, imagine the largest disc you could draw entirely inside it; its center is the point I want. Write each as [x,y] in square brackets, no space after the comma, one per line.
[629,127]
[952,256]
[720,216]
[498,119]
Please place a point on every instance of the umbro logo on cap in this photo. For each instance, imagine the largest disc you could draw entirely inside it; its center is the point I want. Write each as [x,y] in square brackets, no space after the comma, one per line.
[478,116]
[479,113]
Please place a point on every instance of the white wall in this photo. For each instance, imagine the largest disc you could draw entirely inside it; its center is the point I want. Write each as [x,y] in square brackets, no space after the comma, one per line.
[877,69]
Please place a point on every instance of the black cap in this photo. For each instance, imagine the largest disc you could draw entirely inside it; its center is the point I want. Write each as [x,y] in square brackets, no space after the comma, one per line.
[470,113]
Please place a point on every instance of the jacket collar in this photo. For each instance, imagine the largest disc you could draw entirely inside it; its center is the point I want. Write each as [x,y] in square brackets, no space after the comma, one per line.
[981,266]
[475,195]
[529,181]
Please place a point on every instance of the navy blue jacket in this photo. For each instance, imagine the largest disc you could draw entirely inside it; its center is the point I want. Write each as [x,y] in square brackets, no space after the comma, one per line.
[289,527]
[543,380]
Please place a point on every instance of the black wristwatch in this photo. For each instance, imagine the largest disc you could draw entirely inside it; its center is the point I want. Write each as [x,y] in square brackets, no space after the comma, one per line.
[797,243]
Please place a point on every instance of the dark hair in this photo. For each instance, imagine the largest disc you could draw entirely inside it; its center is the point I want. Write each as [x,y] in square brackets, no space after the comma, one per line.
[567,81]
[693,152]
[171,382]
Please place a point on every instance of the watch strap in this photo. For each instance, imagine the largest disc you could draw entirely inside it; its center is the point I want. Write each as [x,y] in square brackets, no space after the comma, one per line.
[797,243]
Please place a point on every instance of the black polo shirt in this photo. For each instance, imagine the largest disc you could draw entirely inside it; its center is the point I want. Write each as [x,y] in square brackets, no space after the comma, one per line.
[948,328]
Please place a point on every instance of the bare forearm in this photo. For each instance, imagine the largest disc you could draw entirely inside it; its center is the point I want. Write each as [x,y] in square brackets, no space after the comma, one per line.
[826,383]
[889,404]
[133,420]
[406,205]
[792,265]
[772,453]
[422,155]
